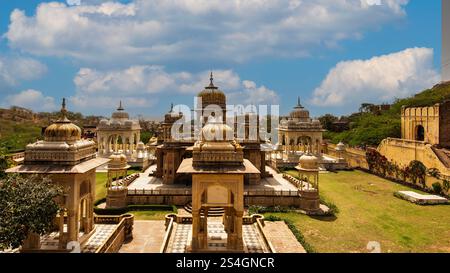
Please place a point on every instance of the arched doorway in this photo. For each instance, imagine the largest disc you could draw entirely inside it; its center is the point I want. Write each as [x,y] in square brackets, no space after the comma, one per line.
[208,194]
[420,133]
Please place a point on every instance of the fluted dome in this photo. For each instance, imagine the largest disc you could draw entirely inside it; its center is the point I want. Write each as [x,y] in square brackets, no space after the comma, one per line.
[308,162]
[63,129]
[212,95]
[299,112]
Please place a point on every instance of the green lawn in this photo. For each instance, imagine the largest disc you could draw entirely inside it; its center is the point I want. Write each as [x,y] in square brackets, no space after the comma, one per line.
[150,215]
[370,212]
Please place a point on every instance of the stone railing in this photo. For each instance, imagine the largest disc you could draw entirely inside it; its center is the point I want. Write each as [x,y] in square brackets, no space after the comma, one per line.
[260,225]
[170,218]
[188,192]
[122,232]
[184,192]
[267,193]
[17,157]
[130,179]
[257,219]
[299,184]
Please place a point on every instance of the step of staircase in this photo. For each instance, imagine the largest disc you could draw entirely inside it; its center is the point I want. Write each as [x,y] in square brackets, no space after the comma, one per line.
[213,211]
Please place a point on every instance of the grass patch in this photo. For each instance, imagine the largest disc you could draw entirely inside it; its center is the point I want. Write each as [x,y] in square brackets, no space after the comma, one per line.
[140,212]
[368,211]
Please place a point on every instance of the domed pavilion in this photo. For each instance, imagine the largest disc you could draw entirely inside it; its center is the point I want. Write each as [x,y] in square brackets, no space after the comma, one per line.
[217,168]
[70,162]
[297,134]
[119,134]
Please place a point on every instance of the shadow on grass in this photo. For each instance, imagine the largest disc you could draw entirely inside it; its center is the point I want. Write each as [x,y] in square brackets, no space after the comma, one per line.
[327,218]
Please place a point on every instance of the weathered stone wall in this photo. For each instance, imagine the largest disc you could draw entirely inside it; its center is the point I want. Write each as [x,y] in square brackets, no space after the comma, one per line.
[427,117]
[444,123]
[402,152]
[287,201]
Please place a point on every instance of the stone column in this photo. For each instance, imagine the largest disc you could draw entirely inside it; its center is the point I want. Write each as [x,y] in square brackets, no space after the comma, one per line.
[238,230]
[195,228]
[72,229]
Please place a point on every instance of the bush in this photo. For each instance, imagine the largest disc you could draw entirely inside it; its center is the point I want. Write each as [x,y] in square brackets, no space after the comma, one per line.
[273,218]
[446,185]
[437,188]
[262,209]
[418,171]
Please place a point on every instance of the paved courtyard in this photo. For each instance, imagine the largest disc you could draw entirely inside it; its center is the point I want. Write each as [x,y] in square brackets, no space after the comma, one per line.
[148,237]
[146,182]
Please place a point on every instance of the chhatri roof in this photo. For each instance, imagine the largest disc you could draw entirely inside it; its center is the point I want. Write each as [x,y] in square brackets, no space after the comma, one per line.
[211,94]
[120,120]
[63,129]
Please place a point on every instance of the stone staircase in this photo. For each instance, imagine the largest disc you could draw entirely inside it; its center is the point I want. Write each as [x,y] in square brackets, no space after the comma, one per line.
[443,155]
[213,211]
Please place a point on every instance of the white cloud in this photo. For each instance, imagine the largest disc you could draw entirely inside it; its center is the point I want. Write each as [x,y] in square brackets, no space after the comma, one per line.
[31,99]
[161,30]
[254,95]
[379,79]
[15,69]
[135,84]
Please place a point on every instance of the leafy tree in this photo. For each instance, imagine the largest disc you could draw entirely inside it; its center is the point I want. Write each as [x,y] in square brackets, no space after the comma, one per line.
[145,136]
[418,171]
[327,121]
[27,204]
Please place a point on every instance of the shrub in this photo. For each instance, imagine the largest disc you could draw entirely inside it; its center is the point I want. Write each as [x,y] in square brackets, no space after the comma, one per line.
[262,209]
[437,188]
[273,218]
[417,172]
[446,185]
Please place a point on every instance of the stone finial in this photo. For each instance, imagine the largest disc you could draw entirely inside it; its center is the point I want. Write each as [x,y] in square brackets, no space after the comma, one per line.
[120,107]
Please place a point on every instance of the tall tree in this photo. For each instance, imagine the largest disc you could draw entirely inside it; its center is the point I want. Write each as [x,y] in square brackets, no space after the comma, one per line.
[27,204]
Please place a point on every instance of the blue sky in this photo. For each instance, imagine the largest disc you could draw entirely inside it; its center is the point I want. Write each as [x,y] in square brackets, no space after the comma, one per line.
[333,54]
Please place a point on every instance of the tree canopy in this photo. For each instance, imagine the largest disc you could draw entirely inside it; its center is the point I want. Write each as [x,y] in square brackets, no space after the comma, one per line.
[367,128]
[27,204]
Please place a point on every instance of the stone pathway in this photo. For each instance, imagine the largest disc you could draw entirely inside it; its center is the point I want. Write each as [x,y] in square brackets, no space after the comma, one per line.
[282,238]
[148,237]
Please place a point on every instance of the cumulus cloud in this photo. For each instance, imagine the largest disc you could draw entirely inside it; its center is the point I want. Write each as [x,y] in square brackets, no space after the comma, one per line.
[379,79]
[161,30]
[15,69]
[31,99]
[137,83]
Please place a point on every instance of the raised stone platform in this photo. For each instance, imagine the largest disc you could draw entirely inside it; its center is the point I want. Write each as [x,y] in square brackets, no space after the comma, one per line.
[421,199]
